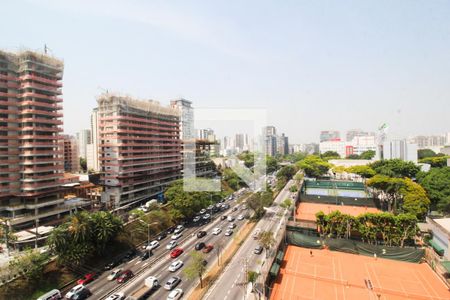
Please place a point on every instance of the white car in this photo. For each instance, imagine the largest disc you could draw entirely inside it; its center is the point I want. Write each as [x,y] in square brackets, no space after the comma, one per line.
[206,216]
[175,294]
[74,290]
[228,232]
[175,265]
[216,231]
[202,211]
[171,245]
[176,236]
[240,217]
[232,226]
[196,219]
[230,218]
[116,296]
[179,229]
[114,274]
[152,245]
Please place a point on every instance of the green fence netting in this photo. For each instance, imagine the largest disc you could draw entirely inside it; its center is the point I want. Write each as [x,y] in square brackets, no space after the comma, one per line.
[337,200]
[310,241]
[328,184]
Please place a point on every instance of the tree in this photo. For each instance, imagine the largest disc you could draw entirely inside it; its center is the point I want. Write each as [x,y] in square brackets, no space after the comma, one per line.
[83,164]
[196,267]
[258,201]
[287,172]
[387,189]
[415,200]
[314,166]
[423,153]
[271,164]
[266,240]
[286,204]
[435,162]
[83,235]
[330,155]
[251,278]
[369,154]
[353,156]
[436,184]
[30,263]
[395,168]
[248,158]
[363,171]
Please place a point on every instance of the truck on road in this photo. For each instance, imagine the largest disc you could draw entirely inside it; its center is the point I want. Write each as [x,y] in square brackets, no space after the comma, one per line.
[151,284]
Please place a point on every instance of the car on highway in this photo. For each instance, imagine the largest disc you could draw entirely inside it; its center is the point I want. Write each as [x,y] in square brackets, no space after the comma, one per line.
[206,216]
[203,211]
[114,274]
[171,245]
[86,279]
[258,250]
[201,234]
[240,217]
[127,274]
[178,229]
[175,294]
[235,208]
[224,217]
[152,245]
[256,233]
[199,246]
[228,232]
[116,296]
[232,226]
[176,252]
[172,282]
[175,265]
[176,236]
[145,255]
[161,236]
[81,294]
[74,290]
[130,254]
[208,248]
[230,218]
[216,231]
[196,219]
[170,230]
[113,264]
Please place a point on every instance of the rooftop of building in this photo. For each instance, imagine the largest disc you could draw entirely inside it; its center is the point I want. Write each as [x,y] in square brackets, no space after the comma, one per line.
[444,222]
[149,105]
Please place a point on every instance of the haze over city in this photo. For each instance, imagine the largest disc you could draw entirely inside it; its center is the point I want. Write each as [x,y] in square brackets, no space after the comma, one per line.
[364,63]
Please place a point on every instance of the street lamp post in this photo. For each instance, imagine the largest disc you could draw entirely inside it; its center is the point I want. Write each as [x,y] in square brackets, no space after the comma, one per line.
[148,229]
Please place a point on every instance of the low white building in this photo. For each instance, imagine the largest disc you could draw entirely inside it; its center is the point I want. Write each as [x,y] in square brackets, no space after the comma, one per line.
[399,149]
[440,228]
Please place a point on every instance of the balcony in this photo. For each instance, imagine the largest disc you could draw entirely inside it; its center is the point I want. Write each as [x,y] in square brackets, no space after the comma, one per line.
[41,112]
[40,104]
[39,137]
[41,169]
[37,178]
[41,79]
[41,128]
[38,145]
[34,85]
[8,77]
[40,153]
[143,120]
[40,161]
[41,120]
[39,96]
[12,95]
[9,85]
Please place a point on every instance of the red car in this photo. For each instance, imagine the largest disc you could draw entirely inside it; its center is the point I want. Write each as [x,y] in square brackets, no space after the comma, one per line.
[86,279]
[208,248]
[176,252]
[125,276]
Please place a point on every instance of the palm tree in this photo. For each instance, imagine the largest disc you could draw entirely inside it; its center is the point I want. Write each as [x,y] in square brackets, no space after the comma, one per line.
[266,240]
[79,226]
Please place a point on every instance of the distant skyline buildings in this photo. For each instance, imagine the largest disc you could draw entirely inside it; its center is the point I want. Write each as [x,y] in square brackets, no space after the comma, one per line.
[83,139]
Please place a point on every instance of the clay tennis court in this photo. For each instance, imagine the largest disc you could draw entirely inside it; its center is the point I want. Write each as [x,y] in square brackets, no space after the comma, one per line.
[307,211]
[329,275]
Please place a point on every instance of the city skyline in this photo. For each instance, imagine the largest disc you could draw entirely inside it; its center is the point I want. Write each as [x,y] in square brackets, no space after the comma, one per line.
[328,73]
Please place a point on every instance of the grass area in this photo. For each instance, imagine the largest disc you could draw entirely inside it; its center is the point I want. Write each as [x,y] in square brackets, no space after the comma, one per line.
[214,273]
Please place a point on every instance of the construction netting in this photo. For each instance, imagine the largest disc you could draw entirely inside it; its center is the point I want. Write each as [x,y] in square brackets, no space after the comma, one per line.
[301,239]
[328,184]
[337,200]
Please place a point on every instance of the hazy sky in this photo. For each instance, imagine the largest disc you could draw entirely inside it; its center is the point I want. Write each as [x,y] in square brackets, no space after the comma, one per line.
[314,65]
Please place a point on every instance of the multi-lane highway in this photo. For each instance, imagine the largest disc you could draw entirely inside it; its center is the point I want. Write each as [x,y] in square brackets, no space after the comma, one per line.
[158,264]
[230,285]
